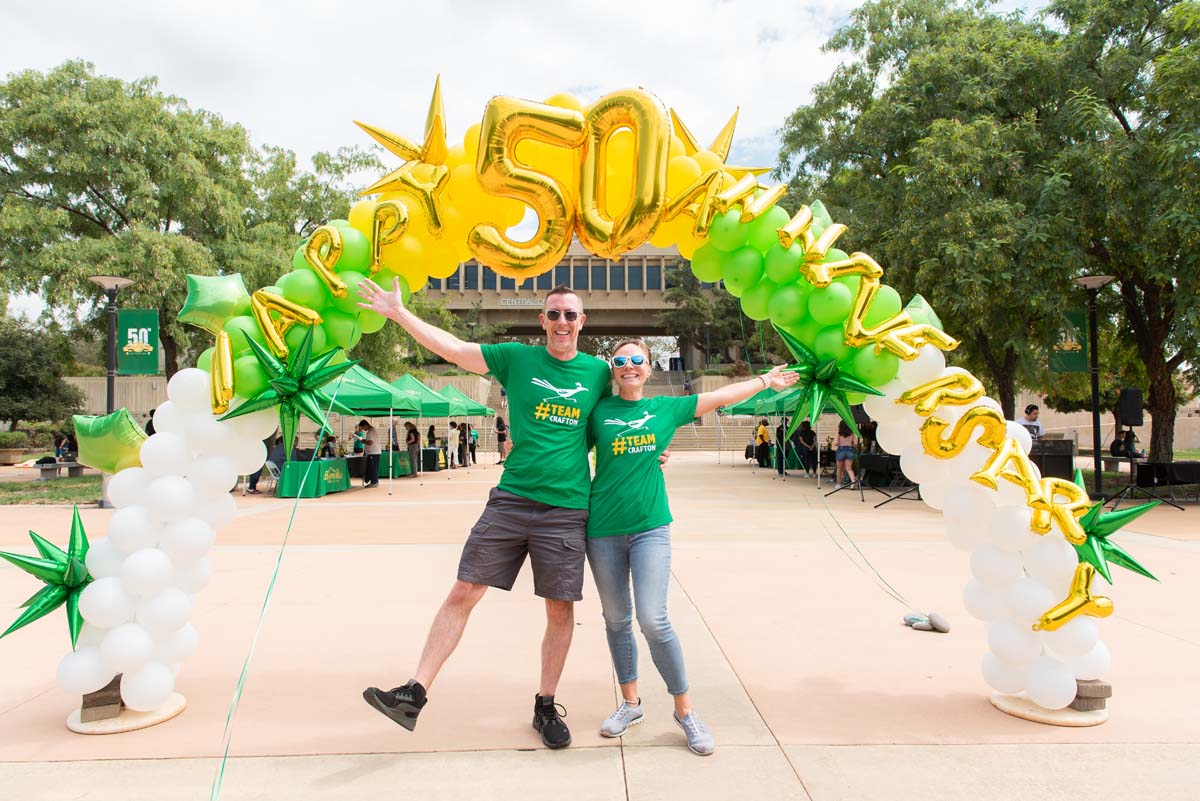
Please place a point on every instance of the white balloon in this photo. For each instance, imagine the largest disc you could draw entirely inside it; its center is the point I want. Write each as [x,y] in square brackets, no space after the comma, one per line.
[90,634]
[1013,642]
[165,612]
[962,533]
[248,456]
[982,603]
[104,603]
[169,417]
[146,572]
[933,493]
[1026,600]
[176,646]
[169,498]
[1021,434]
[212,475]
[1092,665]
[189,390]
[928,365]
[127,647]
[103,560]
[188,540]
[1074,639]
[919,467]
[258,425]
[900,436]
[132,529]
[1051,561]
[968,501]
[80,672]
[1009,494]
[1049,683]
[128,487]
[1008,528]
[191,577]
[166,454]
[210,437]
[1002,676]
[216,510]
[148,688]
[995,568]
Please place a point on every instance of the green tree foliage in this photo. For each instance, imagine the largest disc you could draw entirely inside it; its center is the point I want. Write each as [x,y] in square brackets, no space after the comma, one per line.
[710,321]
[31,370]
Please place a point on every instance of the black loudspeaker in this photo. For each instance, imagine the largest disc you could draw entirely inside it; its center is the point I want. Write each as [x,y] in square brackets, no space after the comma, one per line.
[1129,406]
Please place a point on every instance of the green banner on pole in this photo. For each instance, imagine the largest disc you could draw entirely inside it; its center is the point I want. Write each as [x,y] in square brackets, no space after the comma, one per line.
[137,342]
[1070,355]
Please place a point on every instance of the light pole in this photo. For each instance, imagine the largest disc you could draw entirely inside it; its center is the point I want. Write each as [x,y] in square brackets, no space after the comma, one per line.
[707,346]
[1093,284]
[110,284]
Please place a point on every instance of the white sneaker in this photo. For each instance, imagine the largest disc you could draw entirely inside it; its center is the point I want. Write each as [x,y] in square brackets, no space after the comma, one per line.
[618,722]
[699,739]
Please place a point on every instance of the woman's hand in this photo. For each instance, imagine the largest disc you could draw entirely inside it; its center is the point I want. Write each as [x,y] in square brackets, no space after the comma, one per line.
[777,379]
[378,300]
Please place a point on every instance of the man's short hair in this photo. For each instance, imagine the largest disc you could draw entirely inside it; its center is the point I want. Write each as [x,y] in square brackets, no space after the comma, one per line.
[561,289]
[1033,407]
[363,424]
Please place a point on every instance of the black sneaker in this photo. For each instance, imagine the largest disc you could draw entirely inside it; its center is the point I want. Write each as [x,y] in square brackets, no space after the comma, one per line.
[401,704]
[547,718]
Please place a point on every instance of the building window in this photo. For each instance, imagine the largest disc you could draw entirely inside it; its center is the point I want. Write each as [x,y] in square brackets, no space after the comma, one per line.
[527,285]
[507,283]
[616,277]
[489,278]
[580,276]
[470,276]
[435,283]
[653,277]
[635,277]
[562,275]
[599,273]
[452,283]
[545,281]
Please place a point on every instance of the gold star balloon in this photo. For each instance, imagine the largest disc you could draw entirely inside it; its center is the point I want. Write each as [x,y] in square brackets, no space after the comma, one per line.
[719,147]
[64,574]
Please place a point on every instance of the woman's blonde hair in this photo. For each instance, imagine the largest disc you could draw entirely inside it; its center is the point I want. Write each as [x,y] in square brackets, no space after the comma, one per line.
[640,343]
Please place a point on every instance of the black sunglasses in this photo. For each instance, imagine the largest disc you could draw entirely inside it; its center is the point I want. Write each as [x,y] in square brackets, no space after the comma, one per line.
[554,314]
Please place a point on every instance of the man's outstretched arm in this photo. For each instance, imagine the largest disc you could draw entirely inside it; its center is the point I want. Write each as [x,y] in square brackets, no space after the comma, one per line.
[467,355]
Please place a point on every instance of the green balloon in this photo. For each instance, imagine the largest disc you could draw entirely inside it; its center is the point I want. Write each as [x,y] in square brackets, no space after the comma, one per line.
[847,359]
[371,321]
[874,368]
[806,330]
[833,254]
[830,342]
[241,327]
[783,264]
[339,223]
[706,263]
[789,305]
[727,232]
[763,231]
[295,336]
[213,299]
[741,269]
[756,298]
[305,288]
[341,329]
[204,360]
[919,307]
[855,398]
[298,260]
[338,357]
[110,442]
[356,250]
[831,304]
[349,302]
[885,304]
[273,289]
[851,282]
[249,378]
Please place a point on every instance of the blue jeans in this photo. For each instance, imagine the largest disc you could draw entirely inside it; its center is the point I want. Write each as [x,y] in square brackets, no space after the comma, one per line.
[647,557]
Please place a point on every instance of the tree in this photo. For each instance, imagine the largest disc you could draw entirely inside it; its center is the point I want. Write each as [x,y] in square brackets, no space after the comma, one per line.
[708,320]
[31,369]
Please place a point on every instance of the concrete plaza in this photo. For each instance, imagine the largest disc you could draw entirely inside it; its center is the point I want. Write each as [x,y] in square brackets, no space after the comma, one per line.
[797,658]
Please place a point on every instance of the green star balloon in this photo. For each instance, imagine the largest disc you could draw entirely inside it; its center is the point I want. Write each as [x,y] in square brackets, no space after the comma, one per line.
[822,383]
[212,300]
[1098,550]
[109,442]
[295,387]
[64,573]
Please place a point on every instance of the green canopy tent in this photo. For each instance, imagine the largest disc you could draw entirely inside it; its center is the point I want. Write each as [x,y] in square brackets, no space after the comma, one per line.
[370,396]
[431,403]
[775,404]
[471,407]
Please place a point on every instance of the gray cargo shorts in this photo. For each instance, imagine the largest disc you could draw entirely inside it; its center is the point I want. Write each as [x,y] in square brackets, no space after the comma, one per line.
[511,527]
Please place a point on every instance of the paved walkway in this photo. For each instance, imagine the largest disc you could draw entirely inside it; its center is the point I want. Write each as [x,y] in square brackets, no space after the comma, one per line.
[796,656]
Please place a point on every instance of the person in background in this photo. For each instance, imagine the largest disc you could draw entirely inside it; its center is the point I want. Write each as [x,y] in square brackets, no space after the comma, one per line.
[1124,446]
[504,397]
[869,442]
[781,446]
[452,442]
[464,444]
[808,448]
[762,444]
[846,443]
[395,435]
[150,424]
[60,445]
[431,437]
[359,442]
[501,430]
[474,443]
[373,450]
[412,443]
[329,448]
[1030,421]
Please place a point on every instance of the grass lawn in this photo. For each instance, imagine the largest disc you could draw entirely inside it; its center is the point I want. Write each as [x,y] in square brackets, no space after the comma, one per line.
[85,489]
[1188,455]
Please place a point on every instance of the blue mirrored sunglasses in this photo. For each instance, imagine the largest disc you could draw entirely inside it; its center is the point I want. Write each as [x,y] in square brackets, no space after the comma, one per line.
[637,360]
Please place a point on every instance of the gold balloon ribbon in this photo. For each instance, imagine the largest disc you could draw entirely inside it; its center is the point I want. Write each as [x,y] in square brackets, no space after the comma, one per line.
[993,431]
[221,374]
[389,221]
[743,188]
[1067,513]
[1080,601]
[322,252]
[698,200]
[956,389]
[646,116]
[1012,464]
[262,303]
[758,206]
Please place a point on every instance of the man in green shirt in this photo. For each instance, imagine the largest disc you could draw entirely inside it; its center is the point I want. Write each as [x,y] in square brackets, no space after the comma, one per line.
[540,507]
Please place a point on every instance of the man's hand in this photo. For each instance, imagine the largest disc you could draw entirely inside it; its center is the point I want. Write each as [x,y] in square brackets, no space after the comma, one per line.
[378,300]
[777,379]
[664,457]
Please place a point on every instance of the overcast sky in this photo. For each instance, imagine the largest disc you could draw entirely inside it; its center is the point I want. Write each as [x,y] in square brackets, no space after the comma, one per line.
[296,74]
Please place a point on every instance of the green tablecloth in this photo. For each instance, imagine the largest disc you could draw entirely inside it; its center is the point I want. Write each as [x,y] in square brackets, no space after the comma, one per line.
[327,475]
[397,460]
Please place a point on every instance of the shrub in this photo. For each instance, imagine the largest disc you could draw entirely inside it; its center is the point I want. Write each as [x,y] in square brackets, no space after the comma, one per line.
[14,439]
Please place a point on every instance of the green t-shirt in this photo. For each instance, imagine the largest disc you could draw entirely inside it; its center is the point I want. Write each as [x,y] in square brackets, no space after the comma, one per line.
[629,493]
[548,402]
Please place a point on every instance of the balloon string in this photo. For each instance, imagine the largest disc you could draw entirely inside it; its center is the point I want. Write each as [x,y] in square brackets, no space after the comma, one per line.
[227,735]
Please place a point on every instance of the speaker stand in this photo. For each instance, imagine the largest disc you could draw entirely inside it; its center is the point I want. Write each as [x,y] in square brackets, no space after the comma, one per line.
[1132,490]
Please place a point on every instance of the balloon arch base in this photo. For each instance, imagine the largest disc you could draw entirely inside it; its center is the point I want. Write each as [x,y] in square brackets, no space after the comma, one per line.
[1020,706]
[129,719]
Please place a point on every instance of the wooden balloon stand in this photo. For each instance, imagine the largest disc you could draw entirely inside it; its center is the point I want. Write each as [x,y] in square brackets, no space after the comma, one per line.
[1090,707]
[103,712]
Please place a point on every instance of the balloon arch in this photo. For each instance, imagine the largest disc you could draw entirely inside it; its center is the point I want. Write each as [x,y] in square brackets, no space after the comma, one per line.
[615,174]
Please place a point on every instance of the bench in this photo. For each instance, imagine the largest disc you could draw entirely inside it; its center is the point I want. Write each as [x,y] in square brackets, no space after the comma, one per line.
[51,470]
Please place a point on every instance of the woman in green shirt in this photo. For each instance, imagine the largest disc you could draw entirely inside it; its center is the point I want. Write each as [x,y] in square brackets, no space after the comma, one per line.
[629,533]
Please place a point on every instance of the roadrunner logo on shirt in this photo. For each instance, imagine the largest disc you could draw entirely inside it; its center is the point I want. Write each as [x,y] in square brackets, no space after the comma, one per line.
[634,443]
[558,412]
